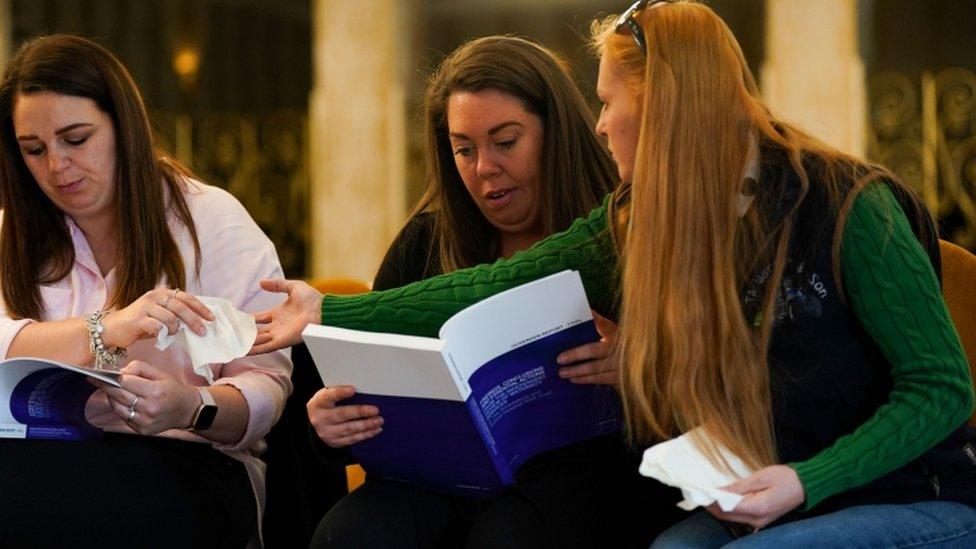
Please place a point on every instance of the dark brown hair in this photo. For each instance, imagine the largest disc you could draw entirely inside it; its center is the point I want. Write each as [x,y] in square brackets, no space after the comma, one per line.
[35,246]
[576,169]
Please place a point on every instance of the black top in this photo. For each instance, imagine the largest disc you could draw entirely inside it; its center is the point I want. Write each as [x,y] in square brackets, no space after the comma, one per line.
[411,257]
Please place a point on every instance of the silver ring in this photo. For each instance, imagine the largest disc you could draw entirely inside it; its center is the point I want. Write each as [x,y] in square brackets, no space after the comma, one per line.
[168,298]
[134,402]
[132,415]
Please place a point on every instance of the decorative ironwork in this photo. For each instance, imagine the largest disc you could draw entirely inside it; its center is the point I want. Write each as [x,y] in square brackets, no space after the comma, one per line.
[926,133]
[261,160]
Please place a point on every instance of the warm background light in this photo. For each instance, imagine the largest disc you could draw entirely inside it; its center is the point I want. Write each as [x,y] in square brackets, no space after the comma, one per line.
[186,62]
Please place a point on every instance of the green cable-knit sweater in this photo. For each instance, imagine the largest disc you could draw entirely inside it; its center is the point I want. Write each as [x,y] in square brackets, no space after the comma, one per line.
[889,283]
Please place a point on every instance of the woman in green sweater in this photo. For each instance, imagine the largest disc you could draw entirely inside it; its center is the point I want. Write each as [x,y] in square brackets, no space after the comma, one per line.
[777,293]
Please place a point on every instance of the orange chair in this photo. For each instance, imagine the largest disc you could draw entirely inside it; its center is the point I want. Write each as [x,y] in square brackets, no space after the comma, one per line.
[355,475]
[959,291]
[339,285]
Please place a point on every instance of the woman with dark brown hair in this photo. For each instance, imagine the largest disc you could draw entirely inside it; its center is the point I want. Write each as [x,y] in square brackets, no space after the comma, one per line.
[511,158]
[103,241]
[569,169]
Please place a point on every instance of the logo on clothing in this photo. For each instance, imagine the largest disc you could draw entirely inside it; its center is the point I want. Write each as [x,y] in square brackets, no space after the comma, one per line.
[800,295]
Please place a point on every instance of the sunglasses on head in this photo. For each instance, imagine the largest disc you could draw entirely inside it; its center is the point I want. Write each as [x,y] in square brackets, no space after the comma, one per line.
[628,21]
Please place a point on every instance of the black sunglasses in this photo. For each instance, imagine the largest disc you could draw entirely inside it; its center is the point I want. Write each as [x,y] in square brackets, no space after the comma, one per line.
[628,20]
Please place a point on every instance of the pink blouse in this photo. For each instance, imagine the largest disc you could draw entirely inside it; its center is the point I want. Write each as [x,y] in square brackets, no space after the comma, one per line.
[236,255]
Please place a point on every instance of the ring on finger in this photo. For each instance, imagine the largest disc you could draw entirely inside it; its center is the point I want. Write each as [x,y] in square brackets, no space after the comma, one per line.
[169,298]
[135,401]
[132,414]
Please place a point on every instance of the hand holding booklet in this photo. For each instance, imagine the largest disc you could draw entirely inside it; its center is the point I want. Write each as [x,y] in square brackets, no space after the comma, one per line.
[46,399]
[464,411]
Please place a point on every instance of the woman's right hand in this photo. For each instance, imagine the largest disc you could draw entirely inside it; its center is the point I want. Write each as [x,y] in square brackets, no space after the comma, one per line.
[591,363]
[146,316]
[340,426]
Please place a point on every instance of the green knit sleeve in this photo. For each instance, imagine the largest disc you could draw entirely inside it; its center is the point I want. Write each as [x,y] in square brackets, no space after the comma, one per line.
[895,294]
[422,307]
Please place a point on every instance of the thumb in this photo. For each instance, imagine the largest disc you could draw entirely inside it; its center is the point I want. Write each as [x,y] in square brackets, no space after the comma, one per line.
[276,285]
[327,397]
[141,369]
[752,483]
[604,326]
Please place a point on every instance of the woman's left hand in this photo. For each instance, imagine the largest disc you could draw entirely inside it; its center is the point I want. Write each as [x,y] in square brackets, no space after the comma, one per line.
[150,400]
[594,365]
[282,326]
[769,493]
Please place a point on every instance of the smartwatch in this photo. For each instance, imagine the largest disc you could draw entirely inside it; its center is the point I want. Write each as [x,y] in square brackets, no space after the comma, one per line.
[204,417]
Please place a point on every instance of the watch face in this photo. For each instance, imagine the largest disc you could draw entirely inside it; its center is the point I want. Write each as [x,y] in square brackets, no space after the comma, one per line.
[206,418]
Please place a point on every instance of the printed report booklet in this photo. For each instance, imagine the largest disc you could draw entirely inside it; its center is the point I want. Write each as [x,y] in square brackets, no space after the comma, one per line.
[463,412]
[46,399]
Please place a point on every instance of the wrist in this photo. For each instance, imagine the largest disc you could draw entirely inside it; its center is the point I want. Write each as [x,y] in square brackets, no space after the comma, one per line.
[313,315]
[204,412]
[193,402]
[107,356]
[110,332]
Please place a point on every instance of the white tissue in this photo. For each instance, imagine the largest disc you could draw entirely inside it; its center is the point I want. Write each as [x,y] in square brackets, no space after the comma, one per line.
[680,463]
[230,335]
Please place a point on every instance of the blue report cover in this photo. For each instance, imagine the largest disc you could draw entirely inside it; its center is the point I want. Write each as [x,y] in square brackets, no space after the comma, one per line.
[464,411]
[45,399]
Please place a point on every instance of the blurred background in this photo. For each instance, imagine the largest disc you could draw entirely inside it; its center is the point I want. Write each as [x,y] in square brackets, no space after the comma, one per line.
[308,110]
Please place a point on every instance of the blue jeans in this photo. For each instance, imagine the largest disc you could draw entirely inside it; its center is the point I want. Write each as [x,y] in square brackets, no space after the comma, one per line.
[929,524]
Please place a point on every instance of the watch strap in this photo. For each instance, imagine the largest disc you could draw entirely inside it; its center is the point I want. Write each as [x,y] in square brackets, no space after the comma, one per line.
[206,401]
[206,398]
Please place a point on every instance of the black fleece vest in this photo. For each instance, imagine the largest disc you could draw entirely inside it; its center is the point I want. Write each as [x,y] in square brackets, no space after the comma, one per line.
[827,375]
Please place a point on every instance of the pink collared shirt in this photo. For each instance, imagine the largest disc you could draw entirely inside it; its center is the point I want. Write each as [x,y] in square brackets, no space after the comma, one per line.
[236,255]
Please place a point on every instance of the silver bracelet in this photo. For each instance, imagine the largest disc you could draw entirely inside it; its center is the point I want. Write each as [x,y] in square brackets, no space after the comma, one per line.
[104,359]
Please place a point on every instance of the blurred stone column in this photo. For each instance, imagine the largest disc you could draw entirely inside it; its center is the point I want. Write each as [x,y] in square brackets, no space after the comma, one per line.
[6,34]
[357,142]
[813,75]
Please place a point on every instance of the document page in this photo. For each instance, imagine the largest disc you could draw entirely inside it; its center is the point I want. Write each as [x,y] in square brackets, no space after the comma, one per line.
[512,319]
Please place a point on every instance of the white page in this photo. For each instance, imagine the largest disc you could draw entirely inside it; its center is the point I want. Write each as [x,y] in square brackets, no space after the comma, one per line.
[513,318]
[18,368]
[381,364]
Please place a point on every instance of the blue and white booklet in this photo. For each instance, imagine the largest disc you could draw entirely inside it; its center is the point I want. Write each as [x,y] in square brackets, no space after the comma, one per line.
[42,398]
[464,411]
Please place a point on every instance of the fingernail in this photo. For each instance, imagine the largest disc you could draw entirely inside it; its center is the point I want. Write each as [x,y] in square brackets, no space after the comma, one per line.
[561,359]
[563,374]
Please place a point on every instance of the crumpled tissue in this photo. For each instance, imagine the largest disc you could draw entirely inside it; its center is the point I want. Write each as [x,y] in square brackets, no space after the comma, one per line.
[680,463]
[230,335]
